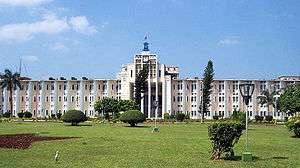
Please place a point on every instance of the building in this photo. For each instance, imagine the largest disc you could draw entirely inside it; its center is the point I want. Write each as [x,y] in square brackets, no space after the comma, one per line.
[174,95]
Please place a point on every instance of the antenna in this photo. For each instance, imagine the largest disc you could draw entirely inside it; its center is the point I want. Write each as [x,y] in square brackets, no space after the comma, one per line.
[20,66]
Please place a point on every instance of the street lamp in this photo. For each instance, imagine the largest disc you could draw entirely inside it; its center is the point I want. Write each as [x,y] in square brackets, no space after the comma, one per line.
[246,91]
[155,105]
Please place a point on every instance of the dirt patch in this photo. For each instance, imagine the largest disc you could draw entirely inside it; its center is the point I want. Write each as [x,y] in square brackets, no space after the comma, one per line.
[23,141]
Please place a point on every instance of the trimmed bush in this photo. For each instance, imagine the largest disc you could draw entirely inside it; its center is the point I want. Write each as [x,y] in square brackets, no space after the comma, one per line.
[293,125]
[258,118]
[53,116]
[58,116]
[132,117]
[7,115]
[27,114]
[166,116]
[223,137]
[20,115]
[180,117]
[269,118]
[172,116]
[215,117]
[74,117]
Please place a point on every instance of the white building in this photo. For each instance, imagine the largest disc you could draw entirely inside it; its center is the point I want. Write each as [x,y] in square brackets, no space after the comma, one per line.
[174,95]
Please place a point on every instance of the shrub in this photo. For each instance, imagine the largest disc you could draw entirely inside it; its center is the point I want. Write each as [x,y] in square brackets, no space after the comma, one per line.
[215,117]
[132,117]
[180,117]
[53,116]
[258,118]
[293,124]
[166,116]
[58,116]
[27,114]
[7,115]
[223,137]
[74,117]
[20,115]
[269,118]
[172,116]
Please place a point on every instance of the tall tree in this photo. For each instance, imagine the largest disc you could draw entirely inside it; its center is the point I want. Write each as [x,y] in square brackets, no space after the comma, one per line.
[140,84]
[208,78]
[289,101]
[267,98]
[10,81]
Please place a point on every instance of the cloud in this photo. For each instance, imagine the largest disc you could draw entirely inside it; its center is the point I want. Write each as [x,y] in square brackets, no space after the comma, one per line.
[81,24]
[230,41]
[49,25]
[24,31]
[23,2]
[30,58]
[59,46]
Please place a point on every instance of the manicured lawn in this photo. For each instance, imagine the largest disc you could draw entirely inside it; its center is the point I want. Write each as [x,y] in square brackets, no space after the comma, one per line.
[177,145]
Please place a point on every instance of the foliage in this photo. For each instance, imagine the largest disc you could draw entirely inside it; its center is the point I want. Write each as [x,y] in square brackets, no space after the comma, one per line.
[7,114]
[240,117]
[258,118]
[74,117]
[289,101]
[215,117]
[132,117]
[223,137]
[207,87]
[166,116]
[140,84]
[53,116]
[172,116]
[107,106]
[293,124]
[180,117]
[27,114]
[20,115]
[58,116]
[269,118]
[10,81]
[112,106]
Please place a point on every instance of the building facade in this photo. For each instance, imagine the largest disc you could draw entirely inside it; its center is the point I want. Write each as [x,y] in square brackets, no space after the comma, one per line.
[172,94]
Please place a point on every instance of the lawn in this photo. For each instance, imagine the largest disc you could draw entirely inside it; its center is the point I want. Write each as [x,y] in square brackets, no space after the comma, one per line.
[177,145]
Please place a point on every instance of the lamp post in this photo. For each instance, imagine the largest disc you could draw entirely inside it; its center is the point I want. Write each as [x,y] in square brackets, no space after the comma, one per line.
[155,105]
[246,91]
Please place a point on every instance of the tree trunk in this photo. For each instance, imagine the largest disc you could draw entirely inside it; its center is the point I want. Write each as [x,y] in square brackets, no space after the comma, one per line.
[11,100]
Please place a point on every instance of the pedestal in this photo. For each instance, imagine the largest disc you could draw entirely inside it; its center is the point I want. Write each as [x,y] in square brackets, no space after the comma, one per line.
[247,156]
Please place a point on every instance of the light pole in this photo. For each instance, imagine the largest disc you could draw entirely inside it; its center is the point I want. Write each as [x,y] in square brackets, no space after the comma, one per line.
[155,105]
[246,91]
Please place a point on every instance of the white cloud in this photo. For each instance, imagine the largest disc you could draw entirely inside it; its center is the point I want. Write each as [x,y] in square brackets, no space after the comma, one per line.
[81,24]
[59,46]
[230,41]
[30,58]
[24,31]
[23,2]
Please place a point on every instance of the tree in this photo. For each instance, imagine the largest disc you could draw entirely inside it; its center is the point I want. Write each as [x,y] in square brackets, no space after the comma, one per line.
[140,84]
[266,97]
[10,81]
[208,77]
[133,117]
[125,105]
[289,101]
[74,117]
[107,106]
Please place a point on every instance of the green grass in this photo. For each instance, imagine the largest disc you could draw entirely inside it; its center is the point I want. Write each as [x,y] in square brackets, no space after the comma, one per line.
[177,145]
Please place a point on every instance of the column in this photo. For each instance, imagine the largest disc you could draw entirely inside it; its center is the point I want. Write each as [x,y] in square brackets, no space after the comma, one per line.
[17,102]
[226,90]
[5,102]
[81,96]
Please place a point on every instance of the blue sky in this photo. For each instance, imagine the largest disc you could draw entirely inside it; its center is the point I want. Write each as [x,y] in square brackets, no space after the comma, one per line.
[93,38]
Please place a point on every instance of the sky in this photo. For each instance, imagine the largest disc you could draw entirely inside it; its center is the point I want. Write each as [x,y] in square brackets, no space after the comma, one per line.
[94,38]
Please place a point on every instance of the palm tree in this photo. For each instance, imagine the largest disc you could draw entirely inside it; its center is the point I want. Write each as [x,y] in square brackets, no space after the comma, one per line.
[10,81]
[268,98]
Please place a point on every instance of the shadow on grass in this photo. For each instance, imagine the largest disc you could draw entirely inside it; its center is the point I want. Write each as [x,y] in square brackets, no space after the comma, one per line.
[139,126]
[239,158]
[81,125]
